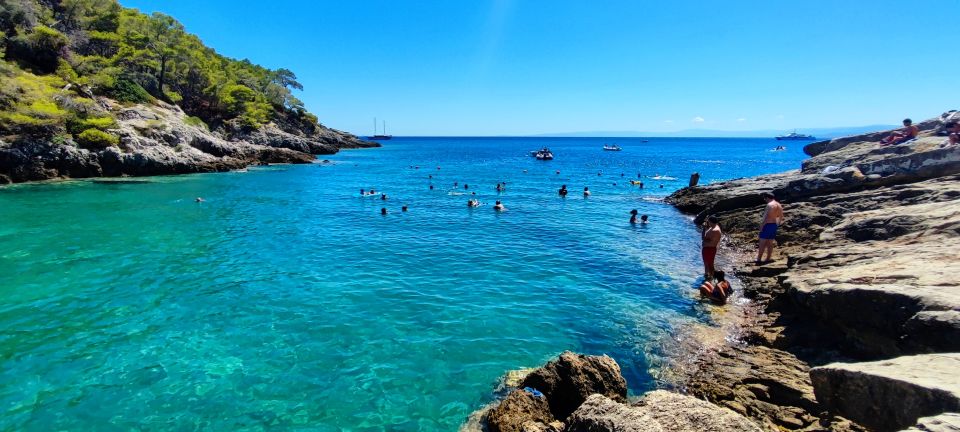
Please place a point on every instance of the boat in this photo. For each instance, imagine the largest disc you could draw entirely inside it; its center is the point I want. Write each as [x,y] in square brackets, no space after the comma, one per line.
[544,154]
[794,136]
[613,147]
[380,137]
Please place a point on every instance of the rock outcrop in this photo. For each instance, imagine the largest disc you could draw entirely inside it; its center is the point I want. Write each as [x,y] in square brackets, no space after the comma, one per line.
[657,411]
[159,139]
[867,272]
[569,379]
[918,386]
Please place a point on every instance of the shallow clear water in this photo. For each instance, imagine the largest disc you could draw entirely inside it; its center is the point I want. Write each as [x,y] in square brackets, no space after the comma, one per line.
[287,302]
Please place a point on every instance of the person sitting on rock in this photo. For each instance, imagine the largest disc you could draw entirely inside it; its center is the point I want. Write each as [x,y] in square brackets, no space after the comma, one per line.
[908,132]
[717,292]
[953,129]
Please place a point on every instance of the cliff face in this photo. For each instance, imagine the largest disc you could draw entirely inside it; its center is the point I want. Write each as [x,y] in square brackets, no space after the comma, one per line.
[159,139]
[867,272]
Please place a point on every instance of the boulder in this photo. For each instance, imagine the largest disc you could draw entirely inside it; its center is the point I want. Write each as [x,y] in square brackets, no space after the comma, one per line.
[658,411]
[568,380]
[521,411]
[890,395]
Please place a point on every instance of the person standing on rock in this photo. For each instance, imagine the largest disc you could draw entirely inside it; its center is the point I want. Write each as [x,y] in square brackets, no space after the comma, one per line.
[711,240]
[772,218]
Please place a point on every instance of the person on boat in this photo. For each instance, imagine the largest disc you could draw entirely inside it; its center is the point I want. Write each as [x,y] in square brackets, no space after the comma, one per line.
[633,216]
[383,211]
[908,132]
[643,219]
[586,191]
[499,207]
[563,191]
[772,218]
[711,240]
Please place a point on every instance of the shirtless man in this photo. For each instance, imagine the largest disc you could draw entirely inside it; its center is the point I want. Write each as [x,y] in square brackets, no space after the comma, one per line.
[772,218]
[711,239]
[908,132]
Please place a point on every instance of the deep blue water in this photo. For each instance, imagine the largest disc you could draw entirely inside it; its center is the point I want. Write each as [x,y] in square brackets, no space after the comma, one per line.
[287,302]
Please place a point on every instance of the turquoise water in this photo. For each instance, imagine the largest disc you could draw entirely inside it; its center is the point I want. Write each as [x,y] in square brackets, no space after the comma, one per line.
[287,302]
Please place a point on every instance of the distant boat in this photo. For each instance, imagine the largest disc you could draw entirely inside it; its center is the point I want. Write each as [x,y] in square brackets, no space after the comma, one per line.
[377,136]
[612,147]
[544,154]
[794,136]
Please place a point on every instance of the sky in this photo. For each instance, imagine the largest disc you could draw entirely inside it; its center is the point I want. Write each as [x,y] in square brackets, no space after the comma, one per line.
[523,67]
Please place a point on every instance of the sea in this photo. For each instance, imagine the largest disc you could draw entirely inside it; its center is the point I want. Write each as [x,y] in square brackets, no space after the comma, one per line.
[286,301]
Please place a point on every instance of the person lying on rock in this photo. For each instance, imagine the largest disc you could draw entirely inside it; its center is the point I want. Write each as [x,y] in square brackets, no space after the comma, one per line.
[908,132]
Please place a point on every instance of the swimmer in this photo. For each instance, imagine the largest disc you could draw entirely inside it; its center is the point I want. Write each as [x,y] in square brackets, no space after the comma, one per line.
[499,207]
[633,216]
[586,191]
[558,171]
[643,219]
[200,200]
[473,193]
[456,184]
[383,197]
[431,187]
[473,203]
[404,208]
[599,173]
[430,176]
[383,211]
[466,186]
[661,186]
[621,174]
[563,191]
[362,192]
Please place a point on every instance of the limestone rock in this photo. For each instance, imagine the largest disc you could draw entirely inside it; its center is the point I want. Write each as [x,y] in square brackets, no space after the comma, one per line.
[890,394]
[657,411]
[568,380]
[521,411]
[946,422]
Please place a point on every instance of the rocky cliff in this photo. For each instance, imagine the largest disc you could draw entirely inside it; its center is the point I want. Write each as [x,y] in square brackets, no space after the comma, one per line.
[158,138]
[859,314]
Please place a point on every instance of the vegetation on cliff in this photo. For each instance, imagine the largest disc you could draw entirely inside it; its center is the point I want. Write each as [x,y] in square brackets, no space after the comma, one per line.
[60,57]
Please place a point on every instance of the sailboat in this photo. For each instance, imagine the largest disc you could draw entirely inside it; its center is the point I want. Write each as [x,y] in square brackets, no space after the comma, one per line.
[377,136]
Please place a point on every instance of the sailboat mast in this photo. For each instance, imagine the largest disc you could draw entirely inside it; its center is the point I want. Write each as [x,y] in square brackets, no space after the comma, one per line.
[374,126]
[384,127]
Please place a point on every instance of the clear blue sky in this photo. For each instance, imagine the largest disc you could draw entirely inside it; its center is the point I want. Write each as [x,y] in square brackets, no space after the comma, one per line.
[516,67]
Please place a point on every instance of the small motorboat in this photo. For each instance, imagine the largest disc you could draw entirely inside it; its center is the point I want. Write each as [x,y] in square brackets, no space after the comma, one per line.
[613,147]
[544,154]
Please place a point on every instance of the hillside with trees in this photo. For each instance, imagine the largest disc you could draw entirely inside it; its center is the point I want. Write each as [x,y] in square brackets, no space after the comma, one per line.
[81,73]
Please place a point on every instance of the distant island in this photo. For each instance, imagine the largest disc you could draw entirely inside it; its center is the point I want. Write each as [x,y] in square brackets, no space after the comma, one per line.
[824,133]
[90,88]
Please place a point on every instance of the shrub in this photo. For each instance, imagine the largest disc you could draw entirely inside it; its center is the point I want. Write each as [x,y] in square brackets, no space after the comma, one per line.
[76,125]
[95,139]
[128,91]
[196,121]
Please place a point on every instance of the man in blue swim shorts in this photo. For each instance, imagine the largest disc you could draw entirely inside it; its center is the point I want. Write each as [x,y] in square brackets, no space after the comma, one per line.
[772,218]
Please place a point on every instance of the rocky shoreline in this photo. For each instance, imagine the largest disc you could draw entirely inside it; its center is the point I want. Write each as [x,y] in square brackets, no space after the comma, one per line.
[854,327]
[159,139]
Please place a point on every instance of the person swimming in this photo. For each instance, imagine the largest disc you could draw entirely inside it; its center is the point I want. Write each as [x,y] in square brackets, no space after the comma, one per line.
[431,187]
[563,191]
[383,211]
[499,207]
[404,208]
[466,186]
[383,197]
[200,200]
[633,216]
[643,219]
[586,191]
[473,203]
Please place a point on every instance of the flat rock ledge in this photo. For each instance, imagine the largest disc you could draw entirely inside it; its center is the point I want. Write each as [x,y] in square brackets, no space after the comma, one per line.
[921,385]
[581,393]
[946,422]
[856,324]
